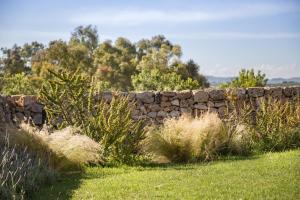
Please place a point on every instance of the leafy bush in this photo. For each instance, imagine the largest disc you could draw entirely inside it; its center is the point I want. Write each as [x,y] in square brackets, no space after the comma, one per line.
[22,171]
[186,139]
[247,78]
[71,97]
[156,79]
[20,84]
[275,126]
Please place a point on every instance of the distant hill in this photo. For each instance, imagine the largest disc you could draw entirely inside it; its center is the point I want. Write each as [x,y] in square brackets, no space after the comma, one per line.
[216,80]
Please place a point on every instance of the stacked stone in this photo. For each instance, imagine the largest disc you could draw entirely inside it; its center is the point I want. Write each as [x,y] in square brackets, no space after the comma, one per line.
[18,108]
[157,106]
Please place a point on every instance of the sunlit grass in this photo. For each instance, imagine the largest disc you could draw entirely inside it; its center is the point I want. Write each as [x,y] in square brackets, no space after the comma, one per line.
[269,176]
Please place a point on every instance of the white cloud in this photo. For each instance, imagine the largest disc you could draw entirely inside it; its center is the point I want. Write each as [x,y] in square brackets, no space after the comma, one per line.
[134,17]
[237,35]
[271,71]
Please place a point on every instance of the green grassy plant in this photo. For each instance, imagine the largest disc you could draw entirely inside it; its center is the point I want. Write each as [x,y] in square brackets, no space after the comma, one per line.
[275,126]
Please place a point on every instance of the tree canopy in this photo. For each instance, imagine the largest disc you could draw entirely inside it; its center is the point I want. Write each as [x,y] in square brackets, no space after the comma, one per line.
[153,63]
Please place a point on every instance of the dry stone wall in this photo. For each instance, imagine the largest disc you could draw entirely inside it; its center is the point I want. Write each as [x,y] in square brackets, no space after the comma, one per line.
[156,106]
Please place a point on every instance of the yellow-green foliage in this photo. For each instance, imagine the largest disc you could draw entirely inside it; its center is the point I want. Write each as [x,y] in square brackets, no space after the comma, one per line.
[247,78]
[73,98]
[187,139]
[276,125]
[20,84]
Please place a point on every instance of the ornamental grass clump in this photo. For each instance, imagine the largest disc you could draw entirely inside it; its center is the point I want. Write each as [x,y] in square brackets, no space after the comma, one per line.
[190,139]
[276,126]
[22,171]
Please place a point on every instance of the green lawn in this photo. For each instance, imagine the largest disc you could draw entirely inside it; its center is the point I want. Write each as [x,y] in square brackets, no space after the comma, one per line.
[269,176]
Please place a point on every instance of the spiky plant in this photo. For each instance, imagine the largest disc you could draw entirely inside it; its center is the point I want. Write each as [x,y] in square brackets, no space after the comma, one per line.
[71,99]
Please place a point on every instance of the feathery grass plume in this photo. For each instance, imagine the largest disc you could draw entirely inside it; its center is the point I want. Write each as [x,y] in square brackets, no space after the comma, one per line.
[23,171]
[187,139]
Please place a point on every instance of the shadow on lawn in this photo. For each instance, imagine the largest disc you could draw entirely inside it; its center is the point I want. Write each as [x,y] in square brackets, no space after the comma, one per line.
[193,165]
[62,189]
[67,184]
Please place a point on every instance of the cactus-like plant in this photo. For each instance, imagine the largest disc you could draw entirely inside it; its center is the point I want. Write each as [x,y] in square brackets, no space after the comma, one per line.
[71,99]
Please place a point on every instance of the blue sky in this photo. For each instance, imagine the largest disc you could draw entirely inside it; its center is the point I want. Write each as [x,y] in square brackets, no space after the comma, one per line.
[221,36]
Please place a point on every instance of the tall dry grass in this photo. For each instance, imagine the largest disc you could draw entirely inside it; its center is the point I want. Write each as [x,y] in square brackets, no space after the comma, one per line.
[67,149]
[191,139]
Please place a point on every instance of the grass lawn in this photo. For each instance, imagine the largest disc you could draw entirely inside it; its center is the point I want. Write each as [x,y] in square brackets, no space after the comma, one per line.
[269,176]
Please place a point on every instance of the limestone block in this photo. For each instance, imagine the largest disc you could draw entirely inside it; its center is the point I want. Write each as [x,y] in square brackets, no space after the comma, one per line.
[154,108]
[256,91]
[175,102]
[219,104]
[165,104]
[145,97]
[201,106]
[143,110]
[162,114]
[210,104]
[164,99]
[236,93]
[168,94]
[216,94]
[152,114]
[175,113]
[185,94]
[184,103]
[187,111]
[200,96]
[274,92]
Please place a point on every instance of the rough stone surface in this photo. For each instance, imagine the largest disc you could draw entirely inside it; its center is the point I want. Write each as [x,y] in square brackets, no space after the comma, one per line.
[201,106]
[184,94]
[200,96]
[145,97]
[175,102]
[256,92]
[216,95]
[156,106]
[274,92]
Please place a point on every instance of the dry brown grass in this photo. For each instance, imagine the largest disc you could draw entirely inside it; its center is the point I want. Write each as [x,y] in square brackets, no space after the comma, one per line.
[68,149]
[190,139]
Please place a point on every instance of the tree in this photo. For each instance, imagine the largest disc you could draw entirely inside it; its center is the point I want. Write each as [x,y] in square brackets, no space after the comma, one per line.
[61,55]
[155,79]
[116,63]
[248,78]
[12,61]
[86,35]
